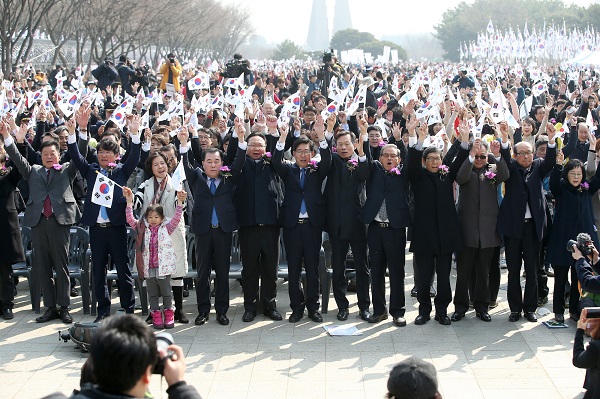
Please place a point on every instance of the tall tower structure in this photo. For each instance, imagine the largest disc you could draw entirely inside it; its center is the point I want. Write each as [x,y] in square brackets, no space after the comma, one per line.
[318,29]
[341,17]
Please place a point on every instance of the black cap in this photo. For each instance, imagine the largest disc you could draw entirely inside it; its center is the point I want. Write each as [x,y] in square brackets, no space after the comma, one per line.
[413,378]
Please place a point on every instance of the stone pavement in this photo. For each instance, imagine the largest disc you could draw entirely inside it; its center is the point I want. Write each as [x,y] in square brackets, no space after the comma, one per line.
[266,359]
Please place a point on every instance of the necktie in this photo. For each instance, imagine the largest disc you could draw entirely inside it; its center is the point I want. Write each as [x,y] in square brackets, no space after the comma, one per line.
[302,178]
[103,211]
[213,188]
[47,212]
[383,216]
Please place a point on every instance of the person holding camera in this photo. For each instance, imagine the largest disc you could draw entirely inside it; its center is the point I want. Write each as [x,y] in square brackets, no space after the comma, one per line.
[105,74]
[123,356]
[126,71]
[170,70]
[588,358]
[586,266]
[572,215]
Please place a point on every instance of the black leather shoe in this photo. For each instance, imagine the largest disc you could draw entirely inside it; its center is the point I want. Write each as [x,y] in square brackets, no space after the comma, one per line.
[457,316]
[376,318]
[443,320]
[296,317]
[101,318]
[514,316]
[414,292]
[542,301]
[364,314]
[222,319]
[201,319]
[181,317]
[530,316]
[7,314]
[420,320]
[399,321]
[316,317]
[74,292]
[248,316]
[485,316]
[51,314]
[273,314]
[66,318]
[343,315]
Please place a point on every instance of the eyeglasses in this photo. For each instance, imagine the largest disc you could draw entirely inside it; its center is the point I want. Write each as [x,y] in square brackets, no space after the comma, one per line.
[574,174]
[302,152]
[433,159]
[482,157]
[524,153]
[389,156]
[256,145]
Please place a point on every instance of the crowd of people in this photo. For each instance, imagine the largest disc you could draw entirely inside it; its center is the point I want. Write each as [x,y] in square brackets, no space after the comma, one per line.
[470,164]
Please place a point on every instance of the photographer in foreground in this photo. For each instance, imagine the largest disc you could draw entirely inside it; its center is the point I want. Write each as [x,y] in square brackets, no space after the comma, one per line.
[587,273]
[123,357]
[588,358]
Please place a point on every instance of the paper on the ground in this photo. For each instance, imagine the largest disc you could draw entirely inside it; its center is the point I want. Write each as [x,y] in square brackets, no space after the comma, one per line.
[342,331]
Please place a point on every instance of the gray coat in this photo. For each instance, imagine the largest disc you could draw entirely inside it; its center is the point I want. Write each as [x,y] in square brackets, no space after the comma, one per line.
[59,187]
[478,203]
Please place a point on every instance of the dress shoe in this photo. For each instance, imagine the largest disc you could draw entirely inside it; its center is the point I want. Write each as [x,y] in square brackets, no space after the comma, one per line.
[74,292]
[222,319]
[316,317]
[63,312]
[364,314]
[51,314]
[420,320]
[414,292]
[181,317]
[542,301]
[514,316]
[530,316]
[296,317]
[101,318]
[443,320]
[493,304]
[559,318]
[248,316]
[343,314]
[273,314]
[574,316]
[376,318]
[400,321]
[457,316]
[485,316]
[201,319]
[7,314]
[432,291]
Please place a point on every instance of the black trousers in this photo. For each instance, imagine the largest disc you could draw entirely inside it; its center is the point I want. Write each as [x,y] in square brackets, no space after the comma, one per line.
[427,264]
[386,250]
[561,277]
[7,285]
[213,247]
[542,277]
[339,250]
[259,248]
[473,264]
[51,241]
[494,275]
[527,250]
[303,243]
[111,241]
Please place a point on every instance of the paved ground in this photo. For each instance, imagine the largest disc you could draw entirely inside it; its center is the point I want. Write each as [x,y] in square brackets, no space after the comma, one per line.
[266,359]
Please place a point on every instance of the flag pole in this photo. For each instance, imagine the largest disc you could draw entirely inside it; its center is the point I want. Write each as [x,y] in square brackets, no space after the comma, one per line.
[115,183]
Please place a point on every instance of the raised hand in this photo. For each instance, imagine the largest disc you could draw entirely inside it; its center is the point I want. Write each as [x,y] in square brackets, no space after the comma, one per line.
[70,124]
[182,135]
[240,130]
[464,129]
[128,194]
[560,157]
[411,123]
[331,119]
[319,127]
[397,131]
[423,132]
[495,148]
[181,196]
[82,116]
[133,124]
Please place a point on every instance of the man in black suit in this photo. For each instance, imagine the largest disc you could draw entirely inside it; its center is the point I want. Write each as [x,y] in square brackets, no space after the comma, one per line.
[257,198]
[522,221]
[214,220]
[436,231]
[108,231]
[303,217]
[387,214]
[345,192]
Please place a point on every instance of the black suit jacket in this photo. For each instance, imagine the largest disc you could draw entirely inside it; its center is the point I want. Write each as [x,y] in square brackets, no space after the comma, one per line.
[436,228]
[524,187]
[222,200]
[313,197]
[259,193]
[346,193]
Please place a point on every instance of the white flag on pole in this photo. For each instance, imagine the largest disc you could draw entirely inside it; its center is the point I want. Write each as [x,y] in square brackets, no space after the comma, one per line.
[104,190]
